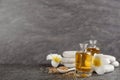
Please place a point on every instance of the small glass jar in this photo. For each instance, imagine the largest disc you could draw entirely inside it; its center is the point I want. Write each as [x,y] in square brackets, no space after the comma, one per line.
[93,48]
[83,62]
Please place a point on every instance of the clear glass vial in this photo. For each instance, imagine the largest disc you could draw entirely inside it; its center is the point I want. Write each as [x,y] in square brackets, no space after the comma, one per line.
[93,48]
[83,62]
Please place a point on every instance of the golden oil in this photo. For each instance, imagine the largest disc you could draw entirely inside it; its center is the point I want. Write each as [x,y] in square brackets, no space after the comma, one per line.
[83,64]
[93,50]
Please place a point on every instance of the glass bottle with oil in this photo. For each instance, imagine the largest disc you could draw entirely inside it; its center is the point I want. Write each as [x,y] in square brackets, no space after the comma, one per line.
[93,48]
[83,62]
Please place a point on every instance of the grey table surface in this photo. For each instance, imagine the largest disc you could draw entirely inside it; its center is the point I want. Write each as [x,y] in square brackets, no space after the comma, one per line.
[28,72]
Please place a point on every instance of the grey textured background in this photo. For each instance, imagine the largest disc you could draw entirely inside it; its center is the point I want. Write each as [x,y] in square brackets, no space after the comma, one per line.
[31,29]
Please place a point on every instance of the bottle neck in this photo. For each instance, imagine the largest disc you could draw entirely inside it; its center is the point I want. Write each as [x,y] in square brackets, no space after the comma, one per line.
[83,47]
[93,43]
[93,46]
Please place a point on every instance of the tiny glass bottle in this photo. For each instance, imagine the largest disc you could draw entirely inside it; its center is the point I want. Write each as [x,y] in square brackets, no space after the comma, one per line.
[83,62]
[93,48]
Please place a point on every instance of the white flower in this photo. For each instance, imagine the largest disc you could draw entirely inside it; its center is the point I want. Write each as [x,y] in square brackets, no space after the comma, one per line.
[99,62]
[55,59]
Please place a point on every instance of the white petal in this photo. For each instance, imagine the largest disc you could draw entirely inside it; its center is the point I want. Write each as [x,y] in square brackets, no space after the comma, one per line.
[99,70]
[104,60]
[49,57]
[115,63]
[54,64]
[59,56]
[109,68]
[56,55]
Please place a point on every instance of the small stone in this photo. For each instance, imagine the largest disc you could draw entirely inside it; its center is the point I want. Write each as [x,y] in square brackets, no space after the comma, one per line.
[115,63]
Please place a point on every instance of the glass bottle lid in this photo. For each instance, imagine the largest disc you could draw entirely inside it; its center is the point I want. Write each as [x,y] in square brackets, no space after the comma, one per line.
[83,46]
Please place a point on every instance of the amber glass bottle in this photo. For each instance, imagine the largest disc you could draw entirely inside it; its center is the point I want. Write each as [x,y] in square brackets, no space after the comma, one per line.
[83,62]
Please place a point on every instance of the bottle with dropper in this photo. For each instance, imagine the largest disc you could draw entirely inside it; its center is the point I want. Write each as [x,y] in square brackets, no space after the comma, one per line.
[93,48]
[83,62]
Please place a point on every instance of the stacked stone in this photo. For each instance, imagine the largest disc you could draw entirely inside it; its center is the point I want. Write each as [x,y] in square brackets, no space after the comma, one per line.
[69,58]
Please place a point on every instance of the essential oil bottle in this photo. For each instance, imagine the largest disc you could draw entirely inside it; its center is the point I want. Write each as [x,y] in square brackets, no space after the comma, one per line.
[93,48]
[83,62]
